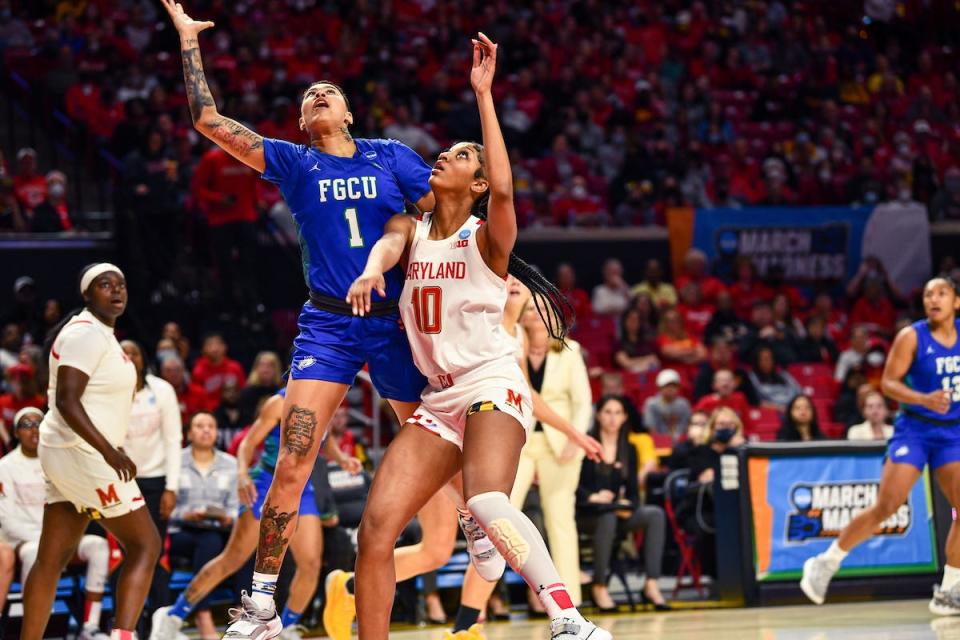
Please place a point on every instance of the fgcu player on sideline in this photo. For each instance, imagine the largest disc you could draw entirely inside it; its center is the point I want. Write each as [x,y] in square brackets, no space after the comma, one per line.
[922,374]
[477,408]
[92,382]
[341,192]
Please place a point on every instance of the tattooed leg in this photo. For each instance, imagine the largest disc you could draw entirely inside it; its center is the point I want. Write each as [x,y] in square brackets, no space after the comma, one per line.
[307,410]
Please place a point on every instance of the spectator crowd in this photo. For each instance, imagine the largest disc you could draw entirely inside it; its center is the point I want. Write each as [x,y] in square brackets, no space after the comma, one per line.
[658,104]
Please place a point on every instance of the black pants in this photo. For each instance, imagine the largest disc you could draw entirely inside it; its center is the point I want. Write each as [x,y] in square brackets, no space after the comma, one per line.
[238,276]
[199,546]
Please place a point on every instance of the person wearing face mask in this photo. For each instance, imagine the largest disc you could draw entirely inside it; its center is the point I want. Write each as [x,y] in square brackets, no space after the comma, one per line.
[52,214]
[695,510]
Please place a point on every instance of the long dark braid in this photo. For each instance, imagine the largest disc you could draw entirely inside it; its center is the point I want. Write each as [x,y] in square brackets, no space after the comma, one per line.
[555,310]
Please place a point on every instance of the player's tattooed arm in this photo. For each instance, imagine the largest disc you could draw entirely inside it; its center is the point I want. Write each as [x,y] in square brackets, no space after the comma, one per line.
[231,136]
[274,538]
[299,431]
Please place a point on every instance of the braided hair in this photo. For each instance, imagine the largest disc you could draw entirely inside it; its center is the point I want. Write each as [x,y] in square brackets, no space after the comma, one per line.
[553,307]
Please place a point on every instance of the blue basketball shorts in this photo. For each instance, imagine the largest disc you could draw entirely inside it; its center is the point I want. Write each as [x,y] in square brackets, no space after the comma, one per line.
[334,348]
[261,481]
[919,443]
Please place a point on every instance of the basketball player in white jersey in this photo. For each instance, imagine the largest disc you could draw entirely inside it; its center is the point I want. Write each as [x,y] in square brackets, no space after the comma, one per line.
[476,409]
[92,383]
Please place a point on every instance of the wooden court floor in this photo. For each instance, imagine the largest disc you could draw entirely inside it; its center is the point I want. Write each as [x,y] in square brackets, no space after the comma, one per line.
[898,620]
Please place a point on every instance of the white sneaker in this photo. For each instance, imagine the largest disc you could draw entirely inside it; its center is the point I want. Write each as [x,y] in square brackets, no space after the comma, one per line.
[250,622]
[293,632]
[485,558]
[165,626]
[945,603]
[817,573]
[572,629]
[93,633]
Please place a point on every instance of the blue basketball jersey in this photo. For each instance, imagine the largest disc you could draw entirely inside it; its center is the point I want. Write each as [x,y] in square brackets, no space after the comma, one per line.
[341,205]
[935,367]
[271,444]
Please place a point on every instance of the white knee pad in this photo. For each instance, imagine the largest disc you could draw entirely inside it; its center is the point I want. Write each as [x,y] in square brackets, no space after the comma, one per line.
[499,519]
[95,551]
[28,555]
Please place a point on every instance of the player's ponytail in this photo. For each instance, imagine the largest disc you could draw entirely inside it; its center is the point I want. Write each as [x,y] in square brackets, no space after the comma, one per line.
[555,310]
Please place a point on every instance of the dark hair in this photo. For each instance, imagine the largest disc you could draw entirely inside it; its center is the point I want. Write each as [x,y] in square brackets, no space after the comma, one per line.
[623,442]
[774,377]
[555,310]
[946,277]
[788,428]
[202,412]
[343,93]
[634,419]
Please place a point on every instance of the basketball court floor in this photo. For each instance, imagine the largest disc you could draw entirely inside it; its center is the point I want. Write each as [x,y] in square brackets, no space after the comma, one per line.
[887,620]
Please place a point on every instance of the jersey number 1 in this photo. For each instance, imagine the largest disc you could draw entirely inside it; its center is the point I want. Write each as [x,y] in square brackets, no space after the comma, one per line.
[427,303]
[356,240]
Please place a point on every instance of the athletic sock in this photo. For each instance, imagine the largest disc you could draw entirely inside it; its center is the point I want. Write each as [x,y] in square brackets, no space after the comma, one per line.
[182,607]
[262,590]
[350,586]
[834,553]
[91,613]
[122,634]
[466,618]
[521,545]
[951,577]
[289,617]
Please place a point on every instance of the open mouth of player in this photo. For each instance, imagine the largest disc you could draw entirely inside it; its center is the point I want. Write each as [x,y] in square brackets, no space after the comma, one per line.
[437,168]
[320,103]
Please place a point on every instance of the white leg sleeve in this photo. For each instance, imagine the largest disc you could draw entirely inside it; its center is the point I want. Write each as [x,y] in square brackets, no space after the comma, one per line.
[95,551]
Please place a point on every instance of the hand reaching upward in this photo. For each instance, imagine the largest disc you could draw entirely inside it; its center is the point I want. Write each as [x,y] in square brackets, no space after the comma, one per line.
[484,63]
[186,26]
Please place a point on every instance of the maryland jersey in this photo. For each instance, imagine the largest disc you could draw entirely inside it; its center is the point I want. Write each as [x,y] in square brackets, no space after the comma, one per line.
[452,305]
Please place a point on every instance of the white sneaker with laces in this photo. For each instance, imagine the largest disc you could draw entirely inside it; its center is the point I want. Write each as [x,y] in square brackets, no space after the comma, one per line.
[573,629]
[817,573]
[485,558]
[165,626]
[945,603]
[250,622]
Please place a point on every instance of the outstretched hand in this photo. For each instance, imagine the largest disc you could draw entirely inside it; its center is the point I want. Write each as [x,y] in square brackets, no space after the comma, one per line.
[359,295]
[484,63]
[185,25]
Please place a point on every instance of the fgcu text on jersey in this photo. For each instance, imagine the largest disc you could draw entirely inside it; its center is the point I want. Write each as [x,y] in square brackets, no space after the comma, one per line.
[340,205]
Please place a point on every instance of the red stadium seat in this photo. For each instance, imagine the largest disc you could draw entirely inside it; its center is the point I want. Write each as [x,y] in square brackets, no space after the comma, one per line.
[824,409]
[833,430]
[764,423]
[807,371]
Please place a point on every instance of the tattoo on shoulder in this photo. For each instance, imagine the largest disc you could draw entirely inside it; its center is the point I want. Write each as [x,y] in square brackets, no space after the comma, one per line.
[299,430]
[273,538]
[234,136]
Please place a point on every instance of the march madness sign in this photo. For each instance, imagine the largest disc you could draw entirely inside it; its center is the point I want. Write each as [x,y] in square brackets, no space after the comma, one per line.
[799,505]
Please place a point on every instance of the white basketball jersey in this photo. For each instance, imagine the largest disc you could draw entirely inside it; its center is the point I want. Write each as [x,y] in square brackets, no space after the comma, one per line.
[452,305]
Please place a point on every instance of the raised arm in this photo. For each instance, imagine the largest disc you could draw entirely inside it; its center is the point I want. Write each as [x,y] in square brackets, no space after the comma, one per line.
[231,136]
[385,254]
[501,227]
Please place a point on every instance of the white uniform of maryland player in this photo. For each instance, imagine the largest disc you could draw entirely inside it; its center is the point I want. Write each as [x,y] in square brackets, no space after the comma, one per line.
[452,306]
[75,471]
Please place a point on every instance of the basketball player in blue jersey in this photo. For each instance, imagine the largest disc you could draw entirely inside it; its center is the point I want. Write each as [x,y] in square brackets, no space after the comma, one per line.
[341,193]
[922,374]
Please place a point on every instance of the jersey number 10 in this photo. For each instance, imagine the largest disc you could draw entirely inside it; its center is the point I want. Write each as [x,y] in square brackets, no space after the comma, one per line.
[427,303]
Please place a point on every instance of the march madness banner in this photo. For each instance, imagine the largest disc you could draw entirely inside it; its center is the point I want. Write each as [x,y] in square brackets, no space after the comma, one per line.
[815,245]
[801,503]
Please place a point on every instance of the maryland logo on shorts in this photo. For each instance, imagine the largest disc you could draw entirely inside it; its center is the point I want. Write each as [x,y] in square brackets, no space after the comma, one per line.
[109,497]
[515,400]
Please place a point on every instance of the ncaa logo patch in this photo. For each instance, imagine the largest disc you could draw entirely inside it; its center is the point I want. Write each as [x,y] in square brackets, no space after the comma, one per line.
[464,234]
[370,154]
[309,361]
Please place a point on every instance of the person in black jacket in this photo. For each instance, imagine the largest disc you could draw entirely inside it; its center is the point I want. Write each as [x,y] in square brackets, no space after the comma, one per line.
[609,502]
[800,421]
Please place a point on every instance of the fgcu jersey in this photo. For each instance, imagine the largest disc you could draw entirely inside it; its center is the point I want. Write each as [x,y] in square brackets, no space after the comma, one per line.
[452,303]
[341,205]
[935,367]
